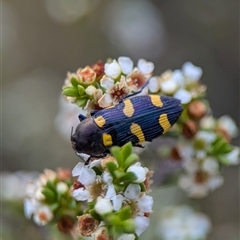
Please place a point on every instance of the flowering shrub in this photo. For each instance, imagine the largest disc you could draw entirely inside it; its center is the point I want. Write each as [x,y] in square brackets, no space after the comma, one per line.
[109,197]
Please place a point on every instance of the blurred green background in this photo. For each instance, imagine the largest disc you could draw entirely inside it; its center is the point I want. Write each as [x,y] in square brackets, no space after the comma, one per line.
[42,40]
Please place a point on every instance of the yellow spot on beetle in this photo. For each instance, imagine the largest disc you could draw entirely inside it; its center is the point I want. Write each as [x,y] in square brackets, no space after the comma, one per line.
[128,109]
[164,123]
[100,121]
[137,131]
[156,100]
[107,140]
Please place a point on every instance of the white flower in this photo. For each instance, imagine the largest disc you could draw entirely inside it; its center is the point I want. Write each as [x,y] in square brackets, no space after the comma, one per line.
[111,192]
[29,208]
[132,191]
[103,206]
[199,184]
[145,67]
[47,175]
[62,187]
[43,215]
[81,194]
[206,136]
[107,178]
[153,85]
[38,194]
[145,203]
[192,72]
[229,125]
[182,223]
[233,158]
[178,78]
[112,69]
[207,123]
[106,82]
[90,90]
[117,201]
[141,223]
[126,64]
[114,93]
[168,87]
[183,95]
[210,165]
[139,171]
[86,176]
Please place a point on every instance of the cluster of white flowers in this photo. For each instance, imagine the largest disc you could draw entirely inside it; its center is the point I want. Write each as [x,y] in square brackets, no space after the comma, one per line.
[182,222]
[112,193]
[104,85]
[34,201]
[203,155]
[43,192]
[182,84]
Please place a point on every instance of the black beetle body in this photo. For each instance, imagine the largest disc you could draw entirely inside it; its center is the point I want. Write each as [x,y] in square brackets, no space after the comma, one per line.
[137,119]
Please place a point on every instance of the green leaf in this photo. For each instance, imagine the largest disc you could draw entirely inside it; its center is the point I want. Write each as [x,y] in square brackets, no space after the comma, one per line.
[119,187]
[81,90]
[117,153]
[125,213]
[119,174]
[49,194]
[70,92]
[82,102]
[133,158]
[74,82]
[128,226]
[113,219]
[127,150]
[51,186]
[111,166]
[95,215]
[128,177]
[54,206]
[223,160]
[142,186]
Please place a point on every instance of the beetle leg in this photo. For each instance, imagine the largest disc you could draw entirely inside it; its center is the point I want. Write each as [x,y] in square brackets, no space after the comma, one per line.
[81,117]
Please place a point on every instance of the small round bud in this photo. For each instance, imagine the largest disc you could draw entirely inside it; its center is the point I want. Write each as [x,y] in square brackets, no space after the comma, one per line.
[189,129]
[65,224]
[197,110]
[87,225]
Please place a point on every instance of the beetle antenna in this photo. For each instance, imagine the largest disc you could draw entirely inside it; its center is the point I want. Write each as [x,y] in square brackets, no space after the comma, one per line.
[71,132]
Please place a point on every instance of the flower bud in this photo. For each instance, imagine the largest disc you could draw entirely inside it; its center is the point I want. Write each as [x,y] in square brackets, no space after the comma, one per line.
[87,225]
[197,110]
[65,224]
[189,129]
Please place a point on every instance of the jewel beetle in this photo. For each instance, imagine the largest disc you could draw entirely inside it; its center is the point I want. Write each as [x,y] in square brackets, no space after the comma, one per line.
[136,119]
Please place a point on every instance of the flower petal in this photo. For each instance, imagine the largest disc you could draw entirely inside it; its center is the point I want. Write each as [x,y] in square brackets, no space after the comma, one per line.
[77,169]
[126,64]
[145,67]
[141,223]
[132,191]
[112,69]
[145,203]
[183,95]
[191,71]
[105,101]
[107,82]
[87,177]
[81,194]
